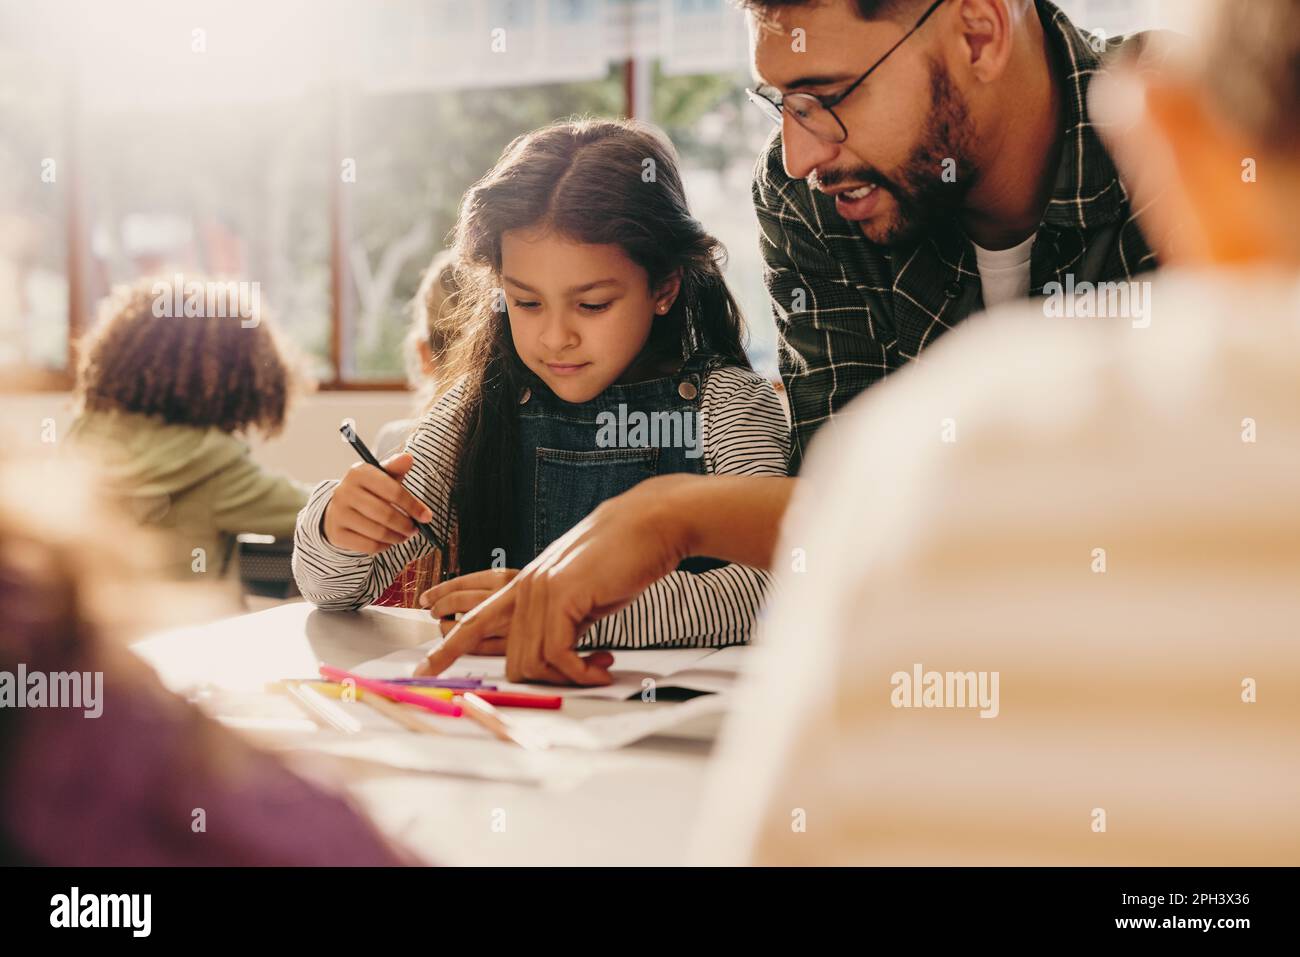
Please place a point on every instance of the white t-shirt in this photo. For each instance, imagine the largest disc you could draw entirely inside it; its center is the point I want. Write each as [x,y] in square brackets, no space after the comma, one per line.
[1004,273]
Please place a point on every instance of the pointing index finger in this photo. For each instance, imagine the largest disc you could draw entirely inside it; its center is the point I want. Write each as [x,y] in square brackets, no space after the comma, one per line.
[483,622]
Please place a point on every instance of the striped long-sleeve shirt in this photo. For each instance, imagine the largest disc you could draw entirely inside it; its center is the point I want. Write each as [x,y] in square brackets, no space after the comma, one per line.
[744,432]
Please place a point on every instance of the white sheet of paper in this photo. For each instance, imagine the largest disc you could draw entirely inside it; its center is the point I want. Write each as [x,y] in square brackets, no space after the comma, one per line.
[606,731]
[718,673]
[277,721]
[630,670]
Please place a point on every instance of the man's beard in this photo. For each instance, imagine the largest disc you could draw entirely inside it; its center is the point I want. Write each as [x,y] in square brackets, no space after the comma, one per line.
[931,186]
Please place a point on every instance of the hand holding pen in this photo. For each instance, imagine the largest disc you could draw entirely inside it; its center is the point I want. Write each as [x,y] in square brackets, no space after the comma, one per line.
[370,509]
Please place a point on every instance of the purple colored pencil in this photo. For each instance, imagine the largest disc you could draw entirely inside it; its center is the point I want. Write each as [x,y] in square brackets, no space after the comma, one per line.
[467,684]
[453,684]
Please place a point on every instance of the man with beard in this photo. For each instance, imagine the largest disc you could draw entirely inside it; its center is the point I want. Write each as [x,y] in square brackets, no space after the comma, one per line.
[934,158]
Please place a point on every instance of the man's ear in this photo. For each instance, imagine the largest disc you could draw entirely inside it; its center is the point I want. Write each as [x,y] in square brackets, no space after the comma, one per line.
[666,292]
[987,29]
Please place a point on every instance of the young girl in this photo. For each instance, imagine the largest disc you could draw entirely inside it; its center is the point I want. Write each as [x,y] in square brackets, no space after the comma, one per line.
[163,401]
[597,345]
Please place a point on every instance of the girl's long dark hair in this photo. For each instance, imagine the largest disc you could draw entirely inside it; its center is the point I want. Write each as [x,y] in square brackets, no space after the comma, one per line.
[591,181]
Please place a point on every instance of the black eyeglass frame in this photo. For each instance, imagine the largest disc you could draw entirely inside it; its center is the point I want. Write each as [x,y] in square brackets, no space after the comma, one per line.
[774,108]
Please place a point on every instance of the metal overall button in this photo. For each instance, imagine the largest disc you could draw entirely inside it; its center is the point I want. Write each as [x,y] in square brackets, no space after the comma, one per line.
[687,389]
[525,395]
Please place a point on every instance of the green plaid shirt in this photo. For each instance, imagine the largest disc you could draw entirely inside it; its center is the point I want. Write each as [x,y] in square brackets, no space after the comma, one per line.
[850,312]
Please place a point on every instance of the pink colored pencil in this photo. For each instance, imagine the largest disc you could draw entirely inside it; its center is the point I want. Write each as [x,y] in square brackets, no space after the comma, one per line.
[393,692]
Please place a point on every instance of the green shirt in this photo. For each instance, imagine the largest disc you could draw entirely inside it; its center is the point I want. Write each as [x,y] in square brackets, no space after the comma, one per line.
[201,485]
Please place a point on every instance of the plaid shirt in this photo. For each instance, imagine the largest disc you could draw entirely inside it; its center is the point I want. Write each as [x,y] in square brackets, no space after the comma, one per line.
[850,312]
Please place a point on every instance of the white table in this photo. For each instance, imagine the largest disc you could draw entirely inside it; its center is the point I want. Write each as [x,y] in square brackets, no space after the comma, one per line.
[636,805]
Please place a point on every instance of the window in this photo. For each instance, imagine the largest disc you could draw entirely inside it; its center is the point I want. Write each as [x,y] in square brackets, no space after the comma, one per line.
[220,190]
[320,149]
[719,136]
[35,181]
[191,142]
[416,153]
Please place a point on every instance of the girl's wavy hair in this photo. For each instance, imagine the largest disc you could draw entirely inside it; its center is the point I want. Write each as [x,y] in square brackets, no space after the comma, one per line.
[431,311]
[599,182]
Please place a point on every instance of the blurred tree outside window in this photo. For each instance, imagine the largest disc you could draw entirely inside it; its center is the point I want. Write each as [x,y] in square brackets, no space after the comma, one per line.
[322,145]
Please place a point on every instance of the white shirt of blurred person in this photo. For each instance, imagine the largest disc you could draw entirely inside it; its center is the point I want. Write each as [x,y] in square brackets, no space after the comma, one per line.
[1111,524]
[426,343]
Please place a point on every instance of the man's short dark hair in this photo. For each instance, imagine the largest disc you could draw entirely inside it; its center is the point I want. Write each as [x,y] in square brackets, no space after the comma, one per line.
[867,9]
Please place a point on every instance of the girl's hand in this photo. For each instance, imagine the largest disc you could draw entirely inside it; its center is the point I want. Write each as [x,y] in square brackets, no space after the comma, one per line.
[596,568]
[458,595]
[370,510]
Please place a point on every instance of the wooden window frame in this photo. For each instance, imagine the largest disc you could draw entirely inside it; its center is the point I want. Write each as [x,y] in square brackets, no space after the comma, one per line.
[63,380]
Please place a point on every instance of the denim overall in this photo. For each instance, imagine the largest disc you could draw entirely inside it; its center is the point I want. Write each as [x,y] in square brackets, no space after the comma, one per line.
[563,472]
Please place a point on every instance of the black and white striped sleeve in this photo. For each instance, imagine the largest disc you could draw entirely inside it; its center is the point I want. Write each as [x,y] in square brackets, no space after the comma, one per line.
[745,433]
[744,425]
[338,579]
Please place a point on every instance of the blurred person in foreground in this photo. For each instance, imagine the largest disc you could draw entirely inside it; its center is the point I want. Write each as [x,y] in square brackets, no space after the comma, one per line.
[1110,525]
[118,778]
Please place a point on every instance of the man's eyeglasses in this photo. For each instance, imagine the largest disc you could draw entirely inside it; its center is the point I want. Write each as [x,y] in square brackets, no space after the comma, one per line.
[815,113]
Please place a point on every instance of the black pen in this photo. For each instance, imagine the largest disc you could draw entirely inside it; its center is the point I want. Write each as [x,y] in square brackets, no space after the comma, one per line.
[354,440]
